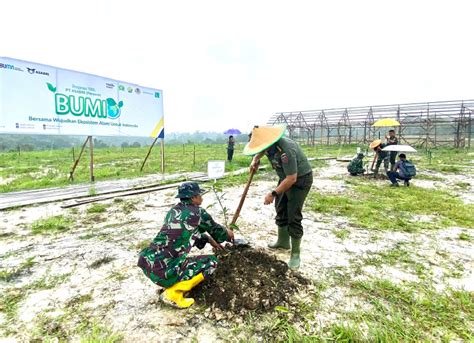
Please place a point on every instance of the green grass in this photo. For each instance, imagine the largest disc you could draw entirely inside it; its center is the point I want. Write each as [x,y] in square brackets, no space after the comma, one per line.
[400,255]
[43,169]
[384,208]
[50,225]
[8,275]
[49,281]
[101,261]
[413,311]
[341,233]
[463,185]
[97,208]
[445,160]
[141,245]
[10,300]
[464,236]
[110,163]
[100,334]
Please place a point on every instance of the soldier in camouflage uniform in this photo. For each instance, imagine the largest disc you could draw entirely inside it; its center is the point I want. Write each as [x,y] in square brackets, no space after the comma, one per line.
[165,261]
[355,166]
[382,156]
[295,180]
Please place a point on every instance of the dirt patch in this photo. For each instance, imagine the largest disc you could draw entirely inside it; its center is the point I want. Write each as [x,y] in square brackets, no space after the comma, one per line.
[248,280]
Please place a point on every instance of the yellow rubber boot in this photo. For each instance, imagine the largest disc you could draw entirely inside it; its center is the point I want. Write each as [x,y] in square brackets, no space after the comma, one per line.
[174,295]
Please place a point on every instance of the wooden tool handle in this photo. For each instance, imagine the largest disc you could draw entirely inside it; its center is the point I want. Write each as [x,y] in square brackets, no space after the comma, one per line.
[373,161]
[242,199]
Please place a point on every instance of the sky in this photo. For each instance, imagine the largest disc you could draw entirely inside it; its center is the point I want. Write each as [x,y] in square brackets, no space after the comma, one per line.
[232,64]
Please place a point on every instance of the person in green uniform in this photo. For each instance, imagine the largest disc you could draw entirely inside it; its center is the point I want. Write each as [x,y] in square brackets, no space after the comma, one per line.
[295,180]
[230,148]
[382,156]
[166,262]
[355,167]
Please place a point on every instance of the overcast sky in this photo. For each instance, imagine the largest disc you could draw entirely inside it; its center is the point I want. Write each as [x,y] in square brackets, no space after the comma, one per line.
[225,64]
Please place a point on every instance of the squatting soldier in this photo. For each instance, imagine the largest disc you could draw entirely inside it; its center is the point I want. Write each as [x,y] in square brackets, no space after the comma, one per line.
[391,139]
[377,145]
[355,167]
[165,261]
[295,180]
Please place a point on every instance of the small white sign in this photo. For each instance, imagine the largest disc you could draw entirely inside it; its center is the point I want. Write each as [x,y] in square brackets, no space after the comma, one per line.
[215,169]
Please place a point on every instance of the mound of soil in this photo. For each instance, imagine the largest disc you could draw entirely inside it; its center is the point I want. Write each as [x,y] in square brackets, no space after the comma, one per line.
[248,280]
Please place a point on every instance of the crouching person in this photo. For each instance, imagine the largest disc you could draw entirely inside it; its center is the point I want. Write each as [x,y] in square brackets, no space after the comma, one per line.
[355,167]
[403,170]
[166,261]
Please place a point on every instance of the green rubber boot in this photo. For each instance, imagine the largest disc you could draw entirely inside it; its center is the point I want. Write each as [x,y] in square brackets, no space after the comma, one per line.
[283,241]
[294,262]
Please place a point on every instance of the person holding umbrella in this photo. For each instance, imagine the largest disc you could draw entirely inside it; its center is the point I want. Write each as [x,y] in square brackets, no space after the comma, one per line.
[391,140]
[231,143]
[230,148]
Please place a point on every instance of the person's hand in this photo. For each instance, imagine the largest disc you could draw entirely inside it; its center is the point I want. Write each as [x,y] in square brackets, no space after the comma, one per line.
[230,235]
[268,199]
[214,244]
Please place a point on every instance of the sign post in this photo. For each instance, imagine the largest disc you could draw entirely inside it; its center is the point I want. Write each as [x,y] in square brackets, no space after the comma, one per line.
[215,169]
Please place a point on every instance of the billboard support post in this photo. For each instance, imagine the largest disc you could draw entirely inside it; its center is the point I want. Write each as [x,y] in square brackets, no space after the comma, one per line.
[91,145]
[148,153]
[163,156]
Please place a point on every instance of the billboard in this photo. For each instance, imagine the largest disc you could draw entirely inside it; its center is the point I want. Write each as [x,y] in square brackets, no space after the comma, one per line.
[40,99]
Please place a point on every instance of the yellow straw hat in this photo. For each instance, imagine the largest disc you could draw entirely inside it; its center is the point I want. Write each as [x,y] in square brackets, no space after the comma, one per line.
[375,143]
[263,137]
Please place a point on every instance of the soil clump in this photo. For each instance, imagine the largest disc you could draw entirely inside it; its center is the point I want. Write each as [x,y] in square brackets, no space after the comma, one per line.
[248,280]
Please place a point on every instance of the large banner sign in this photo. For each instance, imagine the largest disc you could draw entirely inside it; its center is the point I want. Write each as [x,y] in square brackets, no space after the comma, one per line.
[40,99]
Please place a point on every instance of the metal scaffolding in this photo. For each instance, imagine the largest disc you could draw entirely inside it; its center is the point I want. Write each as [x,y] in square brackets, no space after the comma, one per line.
[432,124]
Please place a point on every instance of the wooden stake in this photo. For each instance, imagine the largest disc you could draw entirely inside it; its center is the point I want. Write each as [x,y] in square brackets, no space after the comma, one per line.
[242,199]
[71,173]
[148,154]
[91,146]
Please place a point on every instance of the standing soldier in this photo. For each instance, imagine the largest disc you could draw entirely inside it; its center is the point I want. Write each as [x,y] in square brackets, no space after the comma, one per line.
[391,139]
[166,261]
[382,156]
[230,148]
[295,180]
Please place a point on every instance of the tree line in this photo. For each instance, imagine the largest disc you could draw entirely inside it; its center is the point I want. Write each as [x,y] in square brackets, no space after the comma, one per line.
[50,142]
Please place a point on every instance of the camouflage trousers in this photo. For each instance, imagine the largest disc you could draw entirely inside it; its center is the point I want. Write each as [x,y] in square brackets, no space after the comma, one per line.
[179,269]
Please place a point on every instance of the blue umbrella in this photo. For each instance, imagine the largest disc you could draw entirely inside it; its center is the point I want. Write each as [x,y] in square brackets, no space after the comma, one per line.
[232,132]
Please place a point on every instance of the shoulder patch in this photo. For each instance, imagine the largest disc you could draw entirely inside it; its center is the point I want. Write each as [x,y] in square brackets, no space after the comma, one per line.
[284,158]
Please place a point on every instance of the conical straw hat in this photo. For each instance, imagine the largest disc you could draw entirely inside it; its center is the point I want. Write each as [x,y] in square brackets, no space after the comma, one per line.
[263,137]
[375,143]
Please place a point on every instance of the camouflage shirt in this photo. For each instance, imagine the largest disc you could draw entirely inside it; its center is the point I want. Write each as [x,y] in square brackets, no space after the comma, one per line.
[166,257]
[355,166]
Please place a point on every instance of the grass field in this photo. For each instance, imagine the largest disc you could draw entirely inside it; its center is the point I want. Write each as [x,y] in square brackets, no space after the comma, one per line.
[386,264]
[42,169]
